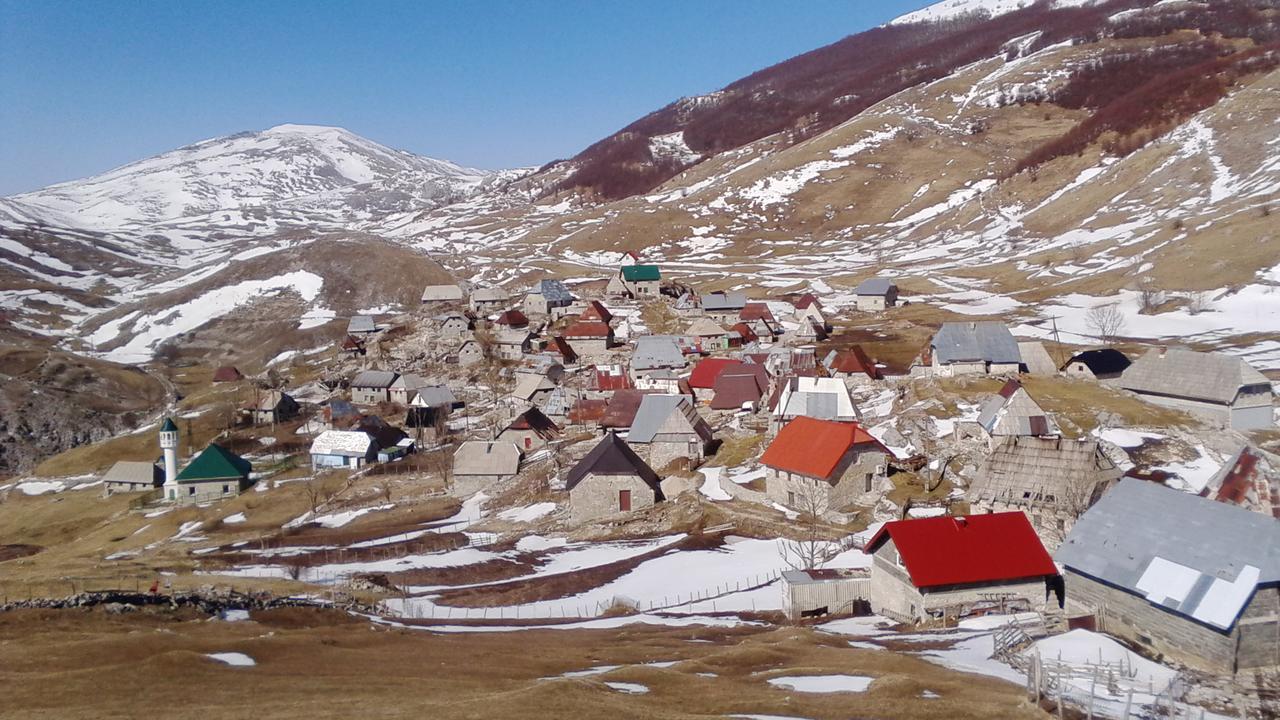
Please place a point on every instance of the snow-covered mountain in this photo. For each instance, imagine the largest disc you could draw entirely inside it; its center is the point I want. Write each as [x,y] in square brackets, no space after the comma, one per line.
[299,167]
[951,9]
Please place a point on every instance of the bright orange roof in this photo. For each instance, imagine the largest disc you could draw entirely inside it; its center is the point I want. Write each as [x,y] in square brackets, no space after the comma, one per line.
[813,447]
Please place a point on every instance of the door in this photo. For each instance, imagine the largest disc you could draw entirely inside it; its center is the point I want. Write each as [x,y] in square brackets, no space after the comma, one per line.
[624,501]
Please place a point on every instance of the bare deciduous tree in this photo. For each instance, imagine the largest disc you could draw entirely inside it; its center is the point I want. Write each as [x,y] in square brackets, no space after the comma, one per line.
[1149,294]
[1199,301]
[810,548]
[317,489]
[1106,321]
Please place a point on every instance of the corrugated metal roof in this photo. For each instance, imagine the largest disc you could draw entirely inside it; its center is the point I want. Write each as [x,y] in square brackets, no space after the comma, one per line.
[489,294]
[134,473]
[733,391]
[441,293]
[1188,554]
[553,290]
[361,323]
[654,411]
[718,301]
[435,396]
[1185,373]
[966,550]
[374,379]
[215,463]
[705,327]
[656,351]
[814,447]
[640,273]
[988,341]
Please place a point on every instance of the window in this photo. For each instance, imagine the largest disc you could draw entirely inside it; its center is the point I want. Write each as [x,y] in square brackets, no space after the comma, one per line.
[191,490]
[226,489]
[791,498]
[624,500]
[867,485]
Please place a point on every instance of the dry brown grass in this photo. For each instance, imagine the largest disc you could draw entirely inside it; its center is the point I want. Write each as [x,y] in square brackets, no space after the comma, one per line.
[734,451]
[323,664]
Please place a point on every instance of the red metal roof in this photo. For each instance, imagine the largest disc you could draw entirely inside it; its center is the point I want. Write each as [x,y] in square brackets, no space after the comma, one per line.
[588,329]
[708,369]
[854,360]
[755,311]
[608,380]
[806,300]
[514,318]
[596,311]
[588,410]
[965,550]
[813,447]
[748,335]
[733,390]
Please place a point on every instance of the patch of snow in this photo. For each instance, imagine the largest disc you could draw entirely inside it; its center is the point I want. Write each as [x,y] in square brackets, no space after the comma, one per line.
[823,683]
[234,659]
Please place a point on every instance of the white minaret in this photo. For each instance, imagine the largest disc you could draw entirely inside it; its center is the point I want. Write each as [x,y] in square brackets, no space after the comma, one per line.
[169,444]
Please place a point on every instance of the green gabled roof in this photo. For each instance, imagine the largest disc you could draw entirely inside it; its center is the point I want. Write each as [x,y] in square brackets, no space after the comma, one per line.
[215,463]
[168,426]
[639,273]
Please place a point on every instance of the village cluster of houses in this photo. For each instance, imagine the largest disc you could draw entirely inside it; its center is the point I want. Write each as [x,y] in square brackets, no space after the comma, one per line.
[625,414]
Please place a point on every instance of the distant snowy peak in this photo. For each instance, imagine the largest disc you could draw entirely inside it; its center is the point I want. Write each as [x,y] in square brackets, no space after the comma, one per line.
[284,165]
[949,9]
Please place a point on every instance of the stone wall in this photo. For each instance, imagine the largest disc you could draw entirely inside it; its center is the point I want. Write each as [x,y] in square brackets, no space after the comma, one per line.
[893,594]
[596,496]
[1130,616]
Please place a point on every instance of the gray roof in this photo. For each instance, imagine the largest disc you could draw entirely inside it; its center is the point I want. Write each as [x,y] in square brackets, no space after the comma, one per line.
[612,456]
[133,472]
[656,351]
[486,457]
[554,291]
[434,396]
[441,293]
[361,323]
[989,341]
[489,294]
[874,286]
[1035,472]
[1198,558]
[724,301]
[374,379]
[654,411]
[1185,373]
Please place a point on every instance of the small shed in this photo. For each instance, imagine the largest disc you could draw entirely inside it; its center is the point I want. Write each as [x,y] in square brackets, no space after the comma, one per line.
[876,294]
[361,325]
[611,479]
[813,593]
[1102,364]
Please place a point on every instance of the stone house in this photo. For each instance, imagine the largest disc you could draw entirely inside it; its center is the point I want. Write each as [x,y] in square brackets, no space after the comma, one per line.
[214,474]
[876,294]
[951,566]
[453,324]
[1191,579]
[132,476]
[1008,413]
[852,365]
[488,299]
[809,307]
[530,430]
[1217,387]
[549,297]
[371,387]
[758,317]
[591,338]
[668,428]
[821,467]
[404,387]
[514,319]
[470,352]
[351,449]
[723,307]
[611,479]
[656,352]
[271,406]
[1052,480]
[703,378]
[531,388]
[511,343]
[480,464]
[739,389]
[597,312]
[971,348]
[1104,365]
[815,397]
[710,336]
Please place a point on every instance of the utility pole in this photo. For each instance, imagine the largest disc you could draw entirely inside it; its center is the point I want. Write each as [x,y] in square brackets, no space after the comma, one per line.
[1056,340]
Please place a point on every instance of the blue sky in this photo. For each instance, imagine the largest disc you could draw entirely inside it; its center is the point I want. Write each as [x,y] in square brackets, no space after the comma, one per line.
[86,86]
